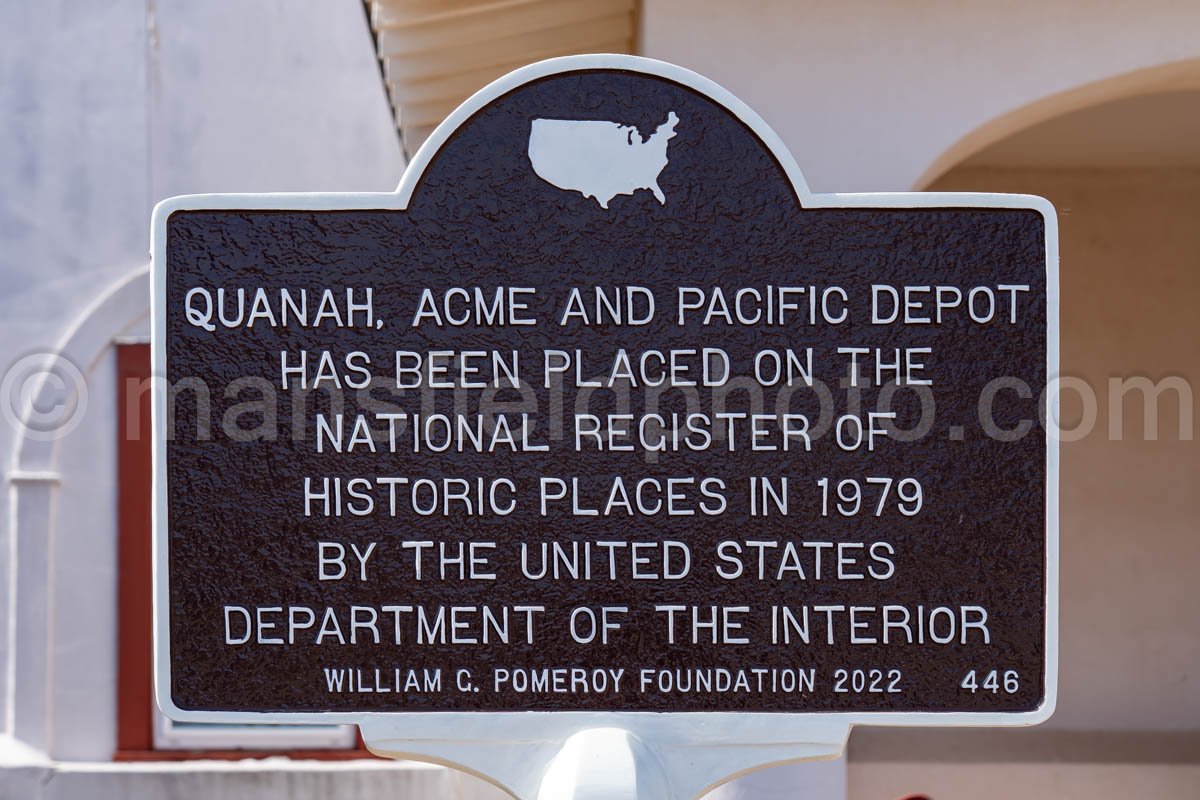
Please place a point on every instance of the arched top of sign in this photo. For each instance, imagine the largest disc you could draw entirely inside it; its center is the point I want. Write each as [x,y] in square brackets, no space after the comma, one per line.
[426,158]
[600,62]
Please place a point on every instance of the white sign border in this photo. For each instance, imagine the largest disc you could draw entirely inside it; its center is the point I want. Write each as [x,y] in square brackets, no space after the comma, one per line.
[498,727]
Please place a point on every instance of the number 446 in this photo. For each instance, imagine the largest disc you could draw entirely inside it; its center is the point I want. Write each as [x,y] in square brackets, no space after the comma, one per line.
[993,681]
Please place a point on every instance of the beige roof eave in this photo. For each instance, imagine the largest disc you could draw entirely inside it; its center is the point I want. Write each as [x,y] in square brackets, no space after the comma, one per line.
[436,53]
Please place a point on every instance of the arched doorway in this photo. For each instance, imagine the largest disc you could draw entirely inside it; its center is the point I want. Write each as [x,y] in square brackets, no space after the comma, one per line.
[1121,162]
[62,496]
[1125,176]
[1049,117]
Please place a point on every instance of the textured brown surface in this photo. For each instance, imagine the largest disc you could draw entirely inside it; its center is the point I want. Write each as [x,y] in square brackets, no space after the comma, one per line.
[481,217]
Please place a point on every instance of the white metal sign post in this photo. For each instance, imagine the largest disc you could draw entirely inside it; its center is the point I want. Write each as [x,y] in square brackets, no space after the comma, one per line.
[602,458]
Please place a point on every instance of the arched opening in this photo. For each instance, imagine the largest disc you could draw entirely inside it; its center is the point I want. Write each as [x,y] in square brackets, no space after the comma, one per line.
[62,495]
[1124,175]
[1121,162]
[1179,77]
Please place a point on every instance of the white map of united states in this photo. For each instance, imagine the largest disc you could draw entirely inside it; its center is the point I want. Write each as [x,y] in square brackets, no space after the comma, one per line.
[600,159]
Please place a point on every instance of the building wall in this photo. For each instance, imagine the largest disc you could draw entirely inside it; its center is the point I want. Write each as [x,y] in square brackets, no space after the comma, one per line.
[1130,279]
[1130,647]
[247,780]
[109,107]
[876,97]
[886,96]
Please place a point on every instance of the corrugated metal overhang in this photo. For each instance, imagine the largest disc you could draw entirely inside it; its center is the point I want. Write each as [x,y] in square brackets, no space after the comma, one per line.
[436,53]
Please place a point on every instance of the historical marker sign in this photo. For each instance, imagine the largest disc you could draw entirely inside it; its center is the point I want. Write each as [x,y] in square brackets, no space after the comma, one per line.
[604,411]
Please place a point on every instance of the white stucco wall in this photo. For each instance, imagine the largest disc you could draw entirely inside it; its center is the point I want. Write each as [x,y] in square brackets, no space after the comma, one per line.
[109,107]
[276,779]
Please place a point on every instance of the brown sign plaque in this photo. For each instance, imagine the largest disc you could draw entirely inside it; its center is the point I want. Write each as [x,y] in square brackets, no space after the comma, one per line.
[604,411]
